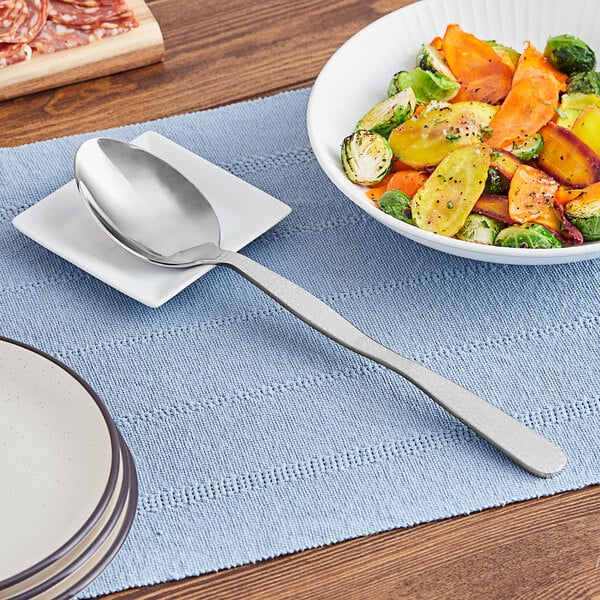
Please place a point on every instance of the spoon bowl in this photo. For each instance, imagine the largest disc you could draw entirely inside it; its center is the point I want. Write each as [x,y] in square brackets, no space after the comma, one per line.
[153,211]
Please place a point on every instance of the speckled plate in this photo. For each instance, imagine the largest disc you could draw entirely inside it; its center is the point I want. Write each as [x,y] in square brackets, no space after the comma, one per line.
[60,462]
[356,77]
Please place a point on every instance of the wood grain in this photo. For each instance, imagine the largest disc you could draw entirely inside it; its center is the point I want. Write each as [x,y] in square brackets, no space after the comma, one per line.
[137,48]
[220,52]
[544,549]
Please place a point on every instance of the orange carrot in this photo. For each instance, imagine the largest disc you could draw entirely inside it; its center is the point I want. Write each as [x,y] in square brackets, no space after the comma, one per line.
[531,102]
[532,63]
[531,198]
[436,42]
[564,195]
[408,181]
[483,74]
[375,192]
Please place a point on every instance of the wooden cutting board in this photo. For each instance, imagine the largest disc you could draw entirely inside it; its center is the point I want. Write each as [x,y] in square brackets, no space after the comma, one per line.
[138,47]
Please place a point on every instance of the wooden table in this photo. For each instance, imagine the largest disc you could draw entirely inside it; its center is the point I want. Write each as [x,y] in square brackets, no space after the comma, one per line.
[218,52]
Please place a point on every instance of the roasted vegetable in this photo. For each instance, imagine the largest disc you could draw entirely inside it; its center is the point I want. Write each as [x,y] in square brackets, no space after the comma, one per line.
[530,235]
[426,85]
[505,162]
[507,54]
[397,204]
[408,181]
[531,198]
[496,183]
[480,229]
[530,103]
[584,82]
[444,202]
[571,106]
[566,158]
[584,212]
[431,59]
[587,127]
[427,139]
[569,54]
[366,157]
[483,74]
[493,206]
[389,113]
[528,149]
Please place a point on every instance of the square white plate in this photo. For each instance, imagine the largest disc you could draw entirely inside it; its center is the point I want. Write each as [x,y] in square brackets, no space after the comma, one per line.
[63,224]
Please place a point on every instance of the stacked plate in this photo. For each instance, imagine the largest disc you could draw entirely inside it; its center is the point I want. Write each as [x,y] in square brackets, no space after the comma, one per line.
[69,486]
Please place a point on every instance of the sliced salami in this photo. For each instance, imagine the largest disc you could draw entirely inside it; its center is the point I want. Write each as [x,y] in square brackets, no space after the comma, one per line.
[13,53]
[55,37]
[47,26]
[37,12]
[88,17]
[14,21]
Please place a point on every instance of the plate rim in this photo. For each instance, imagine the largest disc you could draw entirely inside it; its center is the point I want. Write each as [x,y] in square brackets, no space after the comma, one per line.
[125,507]
[110,484]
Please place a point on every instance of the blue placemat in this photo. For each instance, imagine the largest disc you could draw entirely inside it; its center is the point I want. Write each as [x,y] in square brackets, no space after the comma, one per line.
[255,436]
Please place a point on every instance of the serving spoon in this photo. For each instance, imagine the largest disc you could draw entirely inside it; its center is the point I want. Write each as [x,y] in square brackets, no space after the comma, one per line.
[155,212]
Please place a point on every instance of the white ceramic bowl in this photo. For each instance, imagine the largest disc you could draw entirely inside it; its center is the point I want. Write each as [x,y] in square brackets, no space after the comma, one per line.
[356,77]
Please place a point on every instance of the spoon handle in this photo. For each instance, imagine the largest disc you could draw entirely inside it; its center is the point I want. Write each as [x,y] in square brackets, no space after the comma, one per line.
[520,443]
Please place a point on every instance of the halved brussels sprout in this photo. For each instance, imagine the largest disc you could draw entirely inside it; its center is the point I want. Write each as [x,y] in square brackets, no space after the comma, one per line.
[396,204]
[425,84]
[529,235]
[584,82]
[366,157]
[480,229]
[496,183]
[431,59]
[569,54]
[389,113]
[585,215]
[503,50]
[571,106]
[529,149]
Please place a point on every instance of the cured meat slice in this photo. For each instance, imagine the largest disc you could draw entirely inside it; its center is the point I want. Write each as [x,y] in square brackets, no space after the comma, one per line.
[13,53]
[86,17]
[54,37]
[13,21]
[90,2]
[37,11]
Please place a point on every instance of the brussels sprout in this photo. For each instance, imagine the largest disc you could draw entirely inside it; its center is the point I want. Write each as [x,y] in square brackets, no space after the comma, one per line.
[503,50]
[480,229]
[569,54]
[425,84]
[389,113]
[397,204]
[431,59]
[529,235]
[529,149]
[571,105]
[496,183]
[585,215]
[584,82]
[366,157]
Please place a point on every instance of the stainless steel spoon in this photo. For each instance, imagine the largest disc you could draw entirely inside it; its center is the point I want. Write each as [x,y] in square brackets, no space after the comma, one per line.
[152,210]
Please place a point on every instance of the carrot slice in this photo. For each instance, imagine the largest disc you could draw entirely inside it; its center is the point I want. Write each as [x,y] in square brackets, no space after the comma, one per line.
[532,63]
[483,75]
[375,192]
[531,198]
[409,181]
[531,102]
